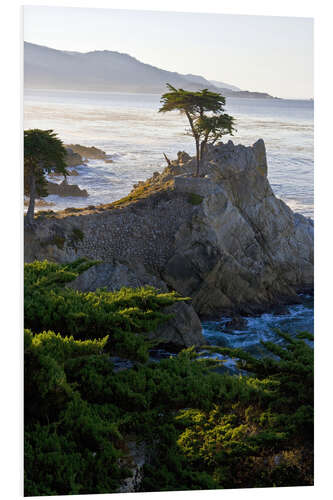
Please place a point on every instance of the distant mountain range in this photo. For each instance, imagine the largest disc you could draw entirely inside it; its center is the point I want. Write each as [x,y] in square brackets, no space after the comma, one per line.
[104,70]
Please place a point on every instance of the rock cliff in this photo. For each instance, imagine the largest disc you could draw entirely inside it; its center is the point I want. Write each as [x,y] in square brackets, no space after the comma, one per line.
[224,239]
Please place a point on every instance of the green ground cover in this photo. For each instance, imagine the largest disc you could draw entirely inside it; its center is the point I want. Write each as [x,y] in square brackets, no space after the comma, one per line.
[203,429]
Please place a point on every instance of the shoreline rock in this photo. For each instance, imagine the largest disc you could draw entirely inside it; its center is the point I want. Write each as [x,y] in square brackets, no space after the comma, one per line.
[65,189]
[236,323]
[89,152]
[183,330]
[73,159]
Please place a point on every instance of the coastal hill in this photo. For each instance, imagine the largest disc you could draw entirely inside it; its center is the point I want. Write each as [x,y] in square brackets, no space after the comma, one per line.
[222,85]
[202,81]
[104,70]
[224,239]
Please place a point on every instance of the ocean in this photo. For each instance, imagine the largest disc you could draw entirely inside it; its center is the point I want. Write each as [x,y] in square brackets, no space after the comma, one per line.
[130,129]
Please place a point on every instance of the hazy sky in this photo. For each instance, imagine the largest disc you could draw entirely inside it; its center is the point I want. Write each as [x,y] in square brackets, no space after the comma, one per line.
[267,54]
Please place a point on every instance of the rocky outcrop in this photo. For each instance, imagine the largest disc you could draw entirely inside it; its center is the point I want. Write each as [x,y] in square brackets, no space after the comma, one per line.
[136,454]
[245,247]
[90,152]
[236,323]
[114,275]
[224,239]
[65,189]
[78,155]
[182,330]
[73,159]
[183,157]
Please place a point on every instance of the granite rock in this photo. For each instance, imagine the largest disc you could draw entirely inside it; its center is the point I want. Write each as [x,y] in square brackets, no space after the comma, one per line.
[224,239]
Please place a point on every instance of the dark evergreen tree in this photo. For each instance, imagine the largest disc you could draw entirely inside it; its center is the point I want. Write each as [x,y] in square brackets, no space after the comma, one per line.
[43,153]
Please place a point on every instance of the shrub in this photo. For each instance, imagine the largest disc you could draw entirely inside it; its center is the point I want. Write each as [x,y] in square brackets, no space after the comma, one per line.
[125,316]
[203,429]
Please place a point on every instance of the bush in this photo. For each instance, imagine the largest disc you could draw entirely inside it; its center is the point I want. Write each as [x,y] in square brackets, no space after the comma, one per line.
[124,316]
[203,429]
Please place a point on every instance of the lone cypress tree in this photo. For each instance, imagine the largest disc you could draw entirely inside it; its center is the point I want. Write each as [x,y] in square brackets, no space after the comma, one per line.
[43,153]
[205,113]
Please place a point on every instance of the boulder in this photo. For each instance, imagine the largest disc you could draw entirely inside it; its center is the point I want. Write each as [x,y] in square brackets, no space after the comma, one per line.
[73,172]
[236,323]
[113,276]
[73,159]
[90,152]
[65,189]
[183,157]
[182,330]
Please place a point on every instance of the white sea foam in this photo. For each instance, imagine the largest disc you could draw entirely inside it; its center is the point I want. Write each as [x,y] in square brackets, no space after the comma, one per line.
[296,318]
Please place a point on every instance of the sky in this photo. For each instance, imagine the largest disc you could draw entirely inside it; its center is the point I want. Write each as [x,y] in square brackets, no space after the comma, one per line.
[256,53]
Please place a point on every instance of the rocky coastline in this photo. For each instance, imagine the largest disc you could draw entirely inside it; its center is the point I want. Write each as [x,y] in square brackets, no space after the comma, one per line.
[66,189]
[88,153]
[223,239]
[76,155]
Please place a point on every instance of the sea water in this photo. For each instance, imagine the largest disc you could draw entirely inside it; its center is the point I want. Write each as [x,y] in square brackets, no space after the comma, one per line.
[262,328]
[130,129]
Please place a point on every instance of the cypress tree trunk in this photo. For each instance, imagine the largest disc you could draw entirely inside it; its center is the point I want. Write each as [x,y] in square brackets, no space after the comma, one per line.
[196,138]
[202,150]
[198,157]
[31,208]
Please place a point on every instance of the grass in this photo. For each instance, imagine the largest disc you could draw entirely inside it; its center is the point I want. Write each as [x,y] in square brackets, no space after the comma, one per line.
[142,192]
[45,213]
